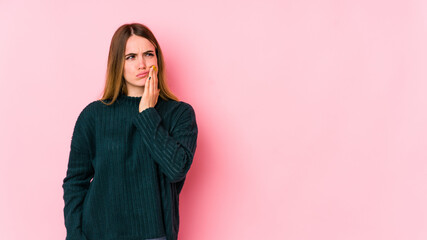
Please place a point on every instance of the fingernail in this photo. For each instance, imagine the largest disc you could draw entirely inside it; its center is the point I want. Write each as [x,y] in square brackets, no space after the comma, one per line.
[154,68]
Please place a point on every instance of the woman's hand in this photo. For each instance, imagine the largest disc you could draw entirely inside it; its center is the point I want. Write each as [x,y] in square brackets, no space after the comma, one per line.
[151,91]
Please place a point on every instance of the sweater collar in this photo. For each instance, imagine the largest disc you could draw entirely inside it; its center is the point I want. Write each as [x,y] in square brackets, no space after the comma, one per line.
[134,100]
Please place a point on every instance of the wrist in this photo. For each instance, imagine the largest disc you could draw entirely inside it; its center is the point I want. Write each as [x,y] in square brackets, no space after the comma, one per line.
[142,109]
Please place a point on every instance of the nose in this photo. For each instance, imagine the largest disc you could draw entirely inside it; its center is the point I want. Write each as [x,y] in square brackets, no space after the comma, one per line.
[141,63]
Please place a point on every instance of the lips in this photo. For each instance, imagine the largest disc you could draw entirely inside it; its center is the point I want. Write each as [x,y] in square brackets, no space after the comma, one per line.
[143,74]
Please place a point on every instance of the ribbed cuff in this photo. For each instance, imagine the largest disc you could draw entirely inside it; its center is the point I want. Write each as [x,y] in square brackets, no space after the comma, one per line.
[147,121]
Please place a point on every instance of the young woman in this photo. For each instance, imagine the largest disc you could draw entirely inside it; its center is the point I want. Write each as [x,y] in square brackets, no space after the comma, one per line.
[130,150]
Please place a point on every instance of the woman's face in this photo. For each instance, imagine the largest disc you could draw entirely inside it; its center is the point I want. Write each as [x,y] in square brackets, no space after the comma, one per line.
[140,55]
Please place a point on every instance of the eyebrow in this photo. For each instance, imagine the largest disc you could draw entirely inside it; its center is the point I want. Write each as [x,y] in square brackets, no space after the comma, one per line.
[149,51]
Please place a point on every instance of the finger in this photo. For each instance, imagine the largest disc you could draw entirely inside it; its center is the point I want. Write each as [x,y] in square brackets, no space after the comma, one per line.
[149,79]
[150,73]
[153,77]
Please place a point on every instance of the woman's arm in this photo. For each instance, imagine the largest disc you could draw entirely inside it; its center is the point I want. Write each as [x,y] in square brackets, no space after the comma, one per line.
[79,174]
[173,152]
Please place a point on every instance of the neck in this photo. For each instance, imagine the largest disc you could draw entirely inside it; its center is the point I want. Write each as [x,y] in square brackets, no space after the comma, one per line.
[135,92]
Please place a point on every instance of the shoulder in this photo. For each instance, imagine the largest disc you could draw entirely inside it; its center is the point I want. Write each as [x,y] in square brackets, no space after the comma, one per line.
[84,128]
[90,108]
[90,111]
[176,108]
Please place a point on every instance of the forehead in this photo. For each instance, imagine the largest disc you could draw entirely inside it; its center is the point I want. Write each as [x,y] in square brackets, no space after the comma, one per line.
[138,44]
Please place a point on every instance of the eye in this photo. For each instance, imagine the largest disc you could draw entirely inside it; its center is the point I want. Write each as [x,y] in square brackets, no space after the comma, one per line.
[130,57]
[149,54]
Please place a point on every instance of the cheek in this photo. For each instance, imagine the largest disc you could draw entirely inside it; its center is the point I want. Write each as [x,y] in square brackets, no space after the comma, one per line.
[154,62]
[127,69]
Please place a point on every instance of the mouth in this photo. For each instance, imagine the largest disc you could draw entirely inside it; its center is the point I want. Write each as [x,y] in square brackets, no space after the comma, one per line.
[141,75]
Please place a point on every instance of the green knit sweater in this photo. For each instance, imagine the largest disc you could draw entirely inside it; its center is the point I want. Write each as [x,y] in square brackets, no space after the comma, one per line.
[126,169]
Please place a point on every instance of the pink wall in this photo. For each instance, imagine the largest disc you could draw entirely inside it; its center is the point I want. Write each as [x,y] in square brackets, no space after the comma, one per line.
[312,114]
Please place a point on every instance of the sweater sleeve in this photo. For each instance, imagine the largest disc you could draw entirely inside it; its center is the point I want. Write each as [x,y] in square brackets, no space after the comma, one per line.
[173,152]
[79,174]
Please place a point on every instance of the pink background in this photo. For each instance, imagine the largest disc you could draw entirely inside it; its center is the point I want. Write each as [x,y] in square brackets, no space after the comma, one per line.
[312,114]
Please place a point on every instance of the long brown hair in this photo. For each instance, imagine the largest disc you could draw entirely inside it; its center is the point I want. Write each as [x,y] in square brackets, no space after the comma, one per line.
[115,82]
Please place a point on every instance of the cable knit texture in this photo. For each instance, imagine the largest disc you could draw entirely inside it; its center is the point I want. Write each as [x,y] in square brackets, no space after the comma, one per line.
[126,169]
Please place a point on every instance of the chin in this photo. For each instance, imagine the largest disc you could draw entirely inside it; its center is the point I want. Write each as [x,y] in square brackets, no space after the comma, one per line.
[137,84]
[140,83]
